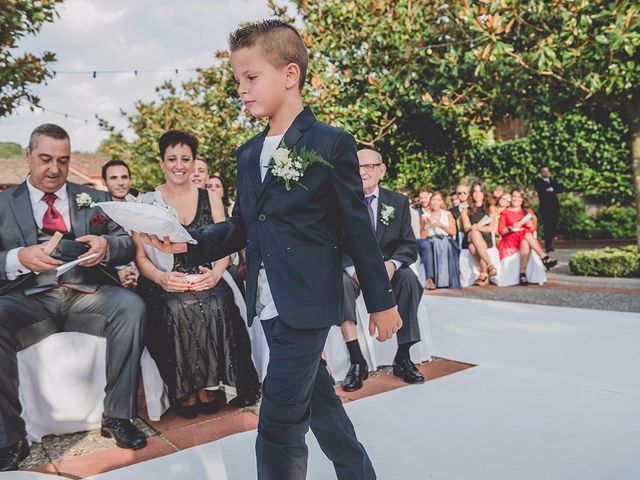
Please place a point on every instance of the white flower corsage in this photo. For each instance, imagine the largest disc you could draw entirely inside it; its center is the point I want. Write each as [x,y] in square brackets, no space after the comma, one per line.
[83,200]
[387,212]
[289,166]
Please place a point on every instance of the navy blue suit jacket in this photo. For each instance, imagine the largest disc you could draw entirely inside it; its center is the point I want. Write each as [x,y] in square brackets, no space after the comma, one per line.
[301,234]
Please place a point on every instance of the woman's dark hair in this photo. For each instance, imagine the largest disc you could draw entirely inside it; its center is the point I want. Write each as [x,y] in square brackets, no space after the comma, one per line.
[487,202]
[525,203]
[225,191]
[177,137]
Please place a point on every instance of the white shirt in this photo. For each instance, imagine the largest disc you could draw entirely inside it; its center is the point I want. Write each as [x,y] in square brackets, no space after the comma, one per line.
[265,306]
[374,206]
[13,267]
[444,220]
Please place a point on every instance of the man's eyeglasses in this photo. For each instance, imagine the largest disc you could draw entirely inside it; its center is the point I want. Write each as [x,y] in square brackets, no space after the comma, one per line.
[368,167]
[462,193]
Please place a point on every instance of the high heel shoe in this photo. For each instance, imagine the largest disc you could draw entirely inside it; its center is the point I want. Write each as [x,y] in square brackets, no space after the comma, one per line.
[549,262]
[492,271]
[524,281]
[482,280]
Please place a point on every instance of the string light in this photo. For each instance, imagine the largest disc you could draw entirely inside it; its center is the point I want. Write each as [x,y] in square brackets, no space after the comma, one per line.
[135,72]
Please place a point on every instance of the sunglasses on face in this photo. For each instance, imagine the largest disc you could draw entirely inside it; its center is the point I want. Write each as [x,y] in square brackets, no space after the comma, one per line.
[368,167]
[462,193]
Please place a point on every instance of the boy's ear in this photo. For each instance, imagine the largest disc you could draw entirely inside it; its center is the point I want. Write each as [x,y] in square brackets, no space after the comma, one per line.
[293,75]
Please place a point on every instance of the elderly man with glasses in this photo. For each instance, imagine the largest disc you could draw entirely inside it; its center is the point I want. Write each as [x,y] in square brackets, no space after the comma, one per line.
[391,221]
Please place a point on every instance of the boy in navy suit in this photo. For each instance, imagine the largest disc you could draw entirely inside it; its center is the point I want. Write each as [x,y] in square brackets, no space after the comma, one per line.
[300,206]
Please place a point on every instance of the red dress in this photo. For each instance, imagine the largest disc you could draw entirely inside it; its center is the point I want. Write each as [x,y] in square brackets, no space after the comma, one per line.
[510,241]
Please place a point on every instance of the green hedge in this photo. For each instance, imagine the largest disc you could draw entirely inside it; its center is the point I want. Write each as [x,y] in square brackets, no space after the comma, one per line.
[607,262]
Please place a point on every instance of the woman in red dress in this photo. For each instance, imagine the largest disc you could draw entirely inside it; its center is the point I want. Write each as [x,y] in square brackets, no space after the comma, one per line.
[517,227]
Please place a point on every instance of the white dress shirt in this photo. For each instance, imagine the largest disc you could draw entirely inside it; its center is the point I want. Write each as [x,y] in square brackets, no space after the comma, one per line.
[13,267]
[265,306]
[374,206]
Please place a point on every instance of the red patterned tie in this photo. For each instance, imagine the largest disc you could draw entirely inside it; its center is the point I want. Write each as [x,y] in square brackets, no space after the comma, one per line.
[52,220]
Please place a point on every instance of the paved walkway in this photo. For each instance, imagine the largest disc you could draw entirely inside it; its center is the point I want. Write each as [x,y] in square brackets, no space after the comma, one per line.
[87,453]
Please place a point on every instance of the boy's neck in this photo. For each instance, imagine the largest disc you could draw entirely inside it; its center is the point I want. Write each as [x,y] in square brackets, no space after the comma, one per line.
[280,122]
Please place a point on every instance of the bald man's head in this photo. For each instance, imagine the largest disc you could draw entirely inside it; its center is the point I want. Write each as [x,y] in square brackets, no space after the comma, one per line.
[371,169]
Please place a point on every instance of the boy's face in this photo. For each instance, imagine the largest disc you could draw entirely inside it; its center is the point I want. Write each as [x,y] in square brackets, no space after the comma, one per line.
[261,86]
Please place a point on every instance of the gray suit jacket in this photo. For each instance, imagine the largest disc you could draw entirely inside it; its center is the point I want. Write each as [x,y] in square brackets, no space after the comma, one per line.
[18,229]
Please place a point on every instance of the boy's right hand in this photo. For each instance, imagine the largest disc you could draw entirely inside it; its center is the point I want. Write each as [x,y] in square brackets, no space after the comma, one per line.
[387,323]
[164,245]
[36,260]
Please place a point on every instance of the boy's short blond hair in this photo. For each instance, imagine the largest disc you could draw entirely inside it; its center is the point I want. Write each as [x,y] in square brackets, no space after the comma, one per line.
[280,42]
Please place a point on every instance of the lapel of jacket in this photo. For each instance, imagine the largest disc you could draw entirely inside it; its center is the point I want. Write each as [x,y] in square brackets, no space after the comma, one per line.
[292,136]
[381,227]
[79,221]
[22,212]
[253,161]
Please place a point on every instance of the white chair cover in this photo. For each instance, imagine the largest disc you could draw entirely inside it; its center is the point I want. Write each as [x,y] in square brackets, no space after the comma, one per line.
[62,379]
[470,267]
[511,270]
[418,269]
[376,353]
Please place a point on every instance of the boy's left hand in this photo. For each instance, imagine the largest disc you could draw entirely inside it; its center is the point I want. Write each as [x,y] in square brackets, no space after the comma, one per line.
[387,322]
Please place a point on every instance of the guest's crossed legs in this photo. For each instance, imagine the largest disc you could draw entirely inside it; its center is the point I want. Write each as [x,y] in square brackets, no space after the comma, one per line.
[298,393]
[112,312]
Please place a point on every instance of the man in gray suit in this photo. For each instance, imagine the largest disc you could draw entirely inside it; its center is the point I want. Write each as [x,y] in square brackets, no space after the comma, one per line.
[35,302]
[391,221]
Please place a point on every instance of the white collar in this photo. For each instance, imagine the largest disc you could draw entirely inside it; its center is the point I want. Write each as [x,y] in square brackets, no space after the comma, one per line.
[36,194]
[376,192]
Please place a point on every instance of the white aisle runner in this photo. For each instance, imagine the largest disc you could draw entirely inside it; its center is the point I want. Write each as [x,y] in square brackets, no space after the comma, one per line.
[556,396]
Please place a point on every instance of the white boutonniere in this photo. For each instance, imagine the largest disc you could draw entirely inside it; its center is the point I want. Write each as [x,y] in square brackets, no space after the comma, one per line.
[387,212]
[83,200]
[288,166]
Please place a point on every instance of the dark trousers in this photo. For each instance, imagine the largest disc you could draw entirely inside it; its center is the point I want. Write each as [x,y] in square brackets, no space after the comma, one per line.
[298,393]
[550,216]
[407,291]
[112,312]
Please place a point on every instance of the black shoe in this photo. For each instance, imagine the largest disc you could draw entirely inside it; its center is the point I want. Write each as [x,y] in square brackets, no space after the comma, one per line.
[524,281]
[208,408]
[549,262]
[186,411]
[124,431]
[12,455]
[356,374]
[549,250]
[407,371]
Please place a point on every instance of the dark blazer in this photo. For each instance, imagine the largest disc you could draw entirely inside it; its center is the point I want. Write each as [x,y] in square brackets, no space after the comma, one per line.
[298,233]
[548,200]
[396,240]
[18,229]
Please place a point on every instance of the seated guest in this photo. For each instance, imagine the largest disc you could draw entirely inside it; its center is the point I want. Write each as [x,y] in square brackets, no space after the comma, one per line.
[497,193]
[415,216]
[196,333]
[200,175]
[517,227]
[35,303]
[116,176]
[478,223]
[391,220]
[218,186]
[462,196]
[440,252]
[503,202]
[424,195]
[454,201]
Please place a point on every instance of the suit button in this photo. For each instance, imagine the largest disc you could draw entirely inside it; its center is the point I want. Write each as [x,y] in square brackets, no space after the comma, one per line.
[262,217]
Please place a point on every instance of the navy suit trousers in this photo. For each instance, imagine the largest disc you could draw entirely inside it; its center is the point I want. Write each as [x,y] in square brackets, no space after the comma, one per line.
[298,393]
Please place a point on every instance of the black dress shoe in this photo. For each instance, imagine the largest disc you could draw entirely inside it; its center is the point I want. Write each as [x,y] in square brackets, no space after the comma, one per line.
[407,371]
[186,411]
[12,455]
[356,374]
[208,407]
[124,431]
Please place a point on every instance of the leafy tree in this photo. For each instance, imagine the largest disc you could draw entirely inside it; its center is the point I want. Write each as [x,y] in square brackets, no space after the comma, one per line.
[18,73]
[11,150]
